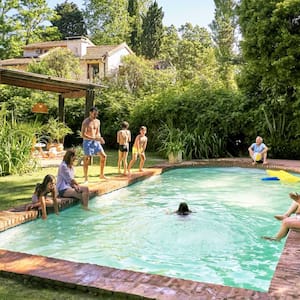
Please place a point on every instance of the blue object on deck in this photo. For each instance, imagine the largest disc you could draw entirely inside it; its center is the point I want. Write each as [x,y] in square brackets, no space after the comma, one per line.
[270,178]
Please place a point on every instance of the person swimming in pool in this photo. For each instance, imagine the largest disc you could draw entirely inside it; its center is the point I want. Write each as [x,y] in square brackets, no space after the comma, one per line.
[183,209]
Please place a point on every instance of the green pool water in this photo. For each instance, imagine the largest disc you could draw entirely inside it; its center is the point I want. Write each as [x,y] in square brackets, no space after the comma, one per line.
[132,229]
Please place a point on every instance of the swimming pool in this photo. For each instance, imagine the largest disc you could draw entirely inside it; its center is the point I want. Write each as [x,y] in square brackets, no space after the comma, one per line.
[130,229]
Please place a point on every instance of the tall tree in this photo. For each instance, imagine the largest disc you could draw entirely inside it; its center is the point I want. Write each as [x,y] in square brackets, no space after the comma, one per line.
[136,25]
[70,21]
[10,44]
[107,21]
[270,46]
[32,14]
[152,31]
[169,46]
[223,33]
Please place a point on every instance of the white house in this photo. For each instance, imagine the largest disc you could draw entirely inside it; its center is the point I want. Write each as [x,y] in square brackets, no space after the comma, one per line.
[96,61]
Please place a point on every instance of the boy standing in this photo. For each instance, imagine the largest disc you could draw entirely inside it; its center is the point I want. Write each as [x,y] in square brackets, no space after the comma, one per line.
[123,139]
[138,148]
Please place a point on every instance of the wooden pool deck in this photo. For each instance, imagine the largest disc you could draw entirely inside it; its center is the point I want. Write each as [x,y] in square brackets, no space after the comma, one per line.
[137,285]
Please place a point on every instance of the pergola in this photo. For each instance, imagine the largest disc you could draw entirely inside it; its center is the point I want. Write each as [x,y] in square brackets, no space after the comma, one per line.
[65,88]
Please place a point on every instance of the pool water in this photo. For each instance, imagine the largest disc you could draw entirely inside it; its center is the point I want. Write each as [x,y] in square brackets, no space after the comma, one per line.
[133,228]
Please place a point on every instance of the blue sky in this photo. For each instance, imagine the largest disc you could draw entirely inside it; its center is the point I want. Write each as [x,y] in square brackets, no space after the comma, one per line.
[177,12]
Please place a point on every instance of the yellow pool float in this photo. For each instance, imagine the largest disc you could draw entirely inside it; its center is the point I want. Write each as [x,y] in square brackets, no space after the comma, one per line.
[283,175]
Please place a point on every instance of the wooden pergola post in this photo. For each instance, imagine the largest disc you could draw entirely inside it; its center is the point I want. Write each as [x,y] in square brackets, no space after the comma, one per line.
[61,108]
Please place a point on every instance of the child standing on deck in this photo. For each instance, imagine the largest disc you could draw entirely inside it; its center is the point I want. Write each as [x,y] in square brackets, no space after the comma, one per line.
[123,139]
[138,148]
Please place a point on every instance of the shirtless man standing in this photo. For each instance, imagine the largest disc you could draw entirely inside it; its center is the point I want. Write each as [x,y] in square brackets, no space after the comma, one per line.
[123,139]
[138,148]
[92,140]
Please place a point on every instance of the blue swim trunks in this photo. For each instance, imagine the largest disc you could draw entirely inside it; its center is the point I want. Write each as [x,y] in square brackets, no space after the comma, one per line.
[91,147]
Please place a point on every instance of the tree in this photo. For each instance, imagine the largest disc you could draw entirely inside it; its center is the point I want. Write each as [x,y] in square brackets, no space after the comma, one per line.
[10,44]
[223,30]
[31,16]
[136,25]
[59,62]
[196,56]
[70,20]
[107,21]
[152,31]
[169,45]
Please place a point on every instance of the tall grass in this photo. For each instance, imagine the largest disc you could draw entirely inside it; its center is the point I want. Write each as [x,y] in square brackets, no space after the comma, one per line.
[16,142]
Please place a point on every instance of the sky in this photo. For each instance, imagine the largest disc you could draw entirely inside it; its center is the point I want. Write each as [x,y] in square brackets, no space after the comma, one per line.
[176,12]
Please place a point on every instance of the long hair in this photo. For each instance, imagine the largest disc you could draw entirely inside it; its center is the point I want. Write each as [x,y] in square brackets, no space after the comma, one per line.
[68,156]
[41,189]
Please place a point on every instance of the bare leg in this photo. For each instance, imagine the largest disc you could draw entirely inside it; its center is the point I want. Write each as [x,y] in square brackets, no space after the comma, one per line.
[43,206]
[125,164]
[292,209]
[102,164]
[120,157]
[286,225]
[86,161]
[265,159]
[142,161]
[132,162]
[82,195]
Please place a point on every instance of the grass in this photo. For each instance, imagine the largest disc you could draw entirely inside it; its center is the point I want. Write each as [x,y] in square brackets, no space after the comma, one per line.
[17,190]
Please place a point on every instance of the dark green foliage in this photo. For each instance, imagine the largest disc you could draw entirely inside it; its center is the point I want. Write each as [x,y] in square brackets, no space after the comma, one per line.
[70,21]
[205,114]
[152,31]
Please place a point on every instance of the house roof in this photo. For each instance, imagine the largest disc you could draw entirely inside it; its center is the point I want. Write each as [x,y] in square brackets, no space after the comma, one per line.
[49,44]
[17,61]
[97,52]
[68,88]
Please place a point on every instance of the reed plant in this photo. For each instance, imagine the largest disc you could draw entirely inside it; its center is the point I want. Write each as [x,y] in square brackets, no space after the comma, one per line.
[16,141]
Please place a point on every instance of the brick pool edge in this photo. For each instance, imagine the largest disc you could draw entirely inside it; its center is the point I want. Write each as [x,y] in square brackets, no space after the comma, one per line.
[284,284]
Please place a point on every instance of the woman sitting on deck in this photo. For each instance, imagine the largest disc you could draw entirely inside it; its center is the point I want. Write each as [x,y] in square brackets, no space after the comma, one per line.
[67,186]
[39,197]
[288,222]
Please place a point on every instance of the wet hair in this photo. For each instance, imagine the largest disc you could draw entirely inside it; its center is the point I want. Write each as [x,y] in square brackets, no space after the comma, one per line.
[143,128]
[68,156]
[93,108]
[125,125]
[41,188]
[183,209]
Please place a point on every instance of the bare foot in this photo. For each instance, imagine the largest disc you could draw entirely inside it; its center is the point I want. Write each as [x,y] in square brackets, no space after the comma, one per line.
[254,163]
[280,217]
[103,177]
[265,163]
[269,238]
[84,207]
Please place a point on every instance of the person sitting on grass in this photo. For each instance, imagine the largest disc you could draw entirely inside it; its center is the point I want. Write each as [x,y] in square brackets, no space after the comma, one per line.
[288,222]
[67,186]
[39,197]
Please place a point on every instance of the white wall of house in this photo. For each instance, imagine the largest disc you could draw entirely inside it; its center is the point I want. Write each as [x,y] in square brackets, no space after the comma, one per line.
[79,46]
[113,61]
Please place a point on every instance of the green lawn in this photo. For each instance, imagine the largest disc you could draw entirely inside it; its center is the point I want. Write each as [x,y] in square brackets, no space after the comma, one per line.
[17,190]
